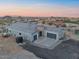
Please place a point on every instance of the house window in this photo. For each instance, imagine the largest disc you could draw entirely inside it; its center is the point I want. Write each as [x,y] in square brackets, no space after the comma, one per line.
[61,38]
[77,32]
[51,35]
[19,33]
[35,38]
[9,31]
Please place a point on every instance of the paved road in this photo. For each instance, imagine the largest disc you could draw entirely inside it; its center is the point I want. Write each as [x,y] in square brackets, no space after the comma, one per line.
[66,50]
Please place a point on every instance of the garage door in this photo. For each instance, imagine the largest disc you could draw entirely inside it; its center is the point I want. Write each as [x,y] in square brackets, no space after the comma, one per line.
[51,35]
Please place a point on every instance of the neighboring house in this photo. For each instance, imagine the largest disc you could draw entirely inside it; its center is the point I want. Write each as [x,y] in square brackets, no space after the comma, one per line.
[71,25]
[33,32]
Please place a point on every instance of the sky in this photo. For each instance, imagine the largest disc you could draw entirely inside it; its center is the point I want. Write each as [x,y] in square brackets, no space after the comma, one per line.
[65,8]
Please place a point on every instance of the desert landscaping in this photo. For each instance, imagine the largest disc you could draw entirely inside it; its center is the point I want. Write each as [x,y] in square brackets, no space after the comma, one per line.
[10,50]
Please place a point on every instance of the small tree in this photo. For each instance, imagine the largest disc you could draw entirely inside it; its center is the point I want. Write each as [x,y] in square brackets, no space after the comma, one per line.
[43,22]
[50,23]
[64,25]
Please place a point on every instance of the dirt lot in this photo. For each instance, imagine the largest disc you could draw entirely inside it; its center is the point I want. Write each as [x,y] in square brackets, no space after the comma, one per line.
[8,45]
[10,50]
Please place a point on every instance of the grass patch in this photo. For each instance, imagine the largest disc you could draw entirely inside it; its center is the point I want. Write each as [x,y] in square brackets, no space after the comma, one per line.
[74,22]
[3,22]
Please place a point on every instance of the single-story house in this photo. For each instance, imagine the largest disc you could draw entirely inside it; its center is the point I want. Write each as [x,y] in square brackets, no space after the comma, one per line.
[32,31]
[27,30]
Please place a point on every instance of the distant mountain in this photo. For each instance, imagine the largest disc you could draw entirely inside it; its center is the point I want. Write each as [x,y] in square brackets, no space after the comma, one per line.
[7,18]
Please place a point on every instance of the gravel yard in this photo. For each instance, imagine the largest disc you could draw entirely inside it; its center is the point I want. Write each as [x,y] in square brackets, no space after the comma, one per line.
[10,50]
[66,50]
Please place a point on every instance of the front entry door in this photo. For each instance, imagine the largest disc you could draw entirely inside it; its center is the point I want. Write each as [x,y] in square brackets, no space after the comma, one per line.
[40,33]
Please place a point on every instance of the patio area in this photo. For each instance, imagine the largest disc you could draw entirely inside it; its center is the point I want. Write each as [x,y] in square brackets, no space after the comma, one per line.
[48,43]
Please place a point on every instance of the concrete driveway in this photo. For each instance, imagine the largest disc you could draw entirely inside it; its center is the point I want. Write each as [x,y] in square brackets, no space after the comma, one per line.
[66,50]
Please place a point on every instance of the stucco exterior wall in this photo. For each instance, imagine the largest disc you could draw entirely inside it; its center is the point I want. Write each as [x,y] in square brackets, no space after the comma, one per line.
[26,36]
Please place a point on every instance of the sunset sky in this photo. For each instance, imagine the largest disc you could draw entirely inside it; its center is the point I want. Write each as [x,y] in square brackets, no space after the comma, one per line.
[66,8]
